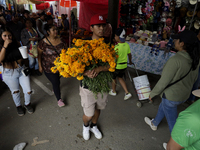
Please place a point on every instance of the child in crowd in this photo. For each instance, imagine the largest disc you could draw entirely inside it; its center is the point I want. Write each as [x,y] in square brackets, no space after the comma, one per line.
[123,49]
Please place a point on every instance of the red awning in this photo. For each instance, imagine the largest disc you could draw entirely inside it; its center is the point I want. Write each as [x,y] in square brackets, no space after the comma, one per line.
[65,3]
[42,6]
[48,0]
[87,10]
[103,2]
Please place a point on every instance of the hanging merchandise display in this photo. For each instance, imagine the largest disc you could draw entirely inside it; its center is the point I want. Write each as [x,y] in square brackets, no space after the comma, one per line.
[42,6]
[66,3]
[134,13]
[3,3]
[30,7]
[158,18]
[29,1]
[103,2]
[9,4]
[49,0]
[150,24]
[51,10]
[197,24]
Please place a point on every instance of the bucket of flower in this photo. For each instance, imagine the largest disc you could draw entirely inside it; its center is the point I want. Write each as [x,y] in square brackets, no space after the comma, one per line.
[87,55]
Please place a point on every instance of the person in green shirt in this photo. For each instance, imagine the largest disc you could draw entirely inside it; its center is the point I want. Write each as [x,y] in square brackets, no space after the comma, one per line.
[184,63]
[122,49]
[185,134]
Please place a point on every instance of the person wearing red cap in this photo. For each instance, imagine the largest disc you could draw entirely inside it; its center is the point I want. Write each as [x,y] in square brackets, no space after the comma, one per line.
[91,105]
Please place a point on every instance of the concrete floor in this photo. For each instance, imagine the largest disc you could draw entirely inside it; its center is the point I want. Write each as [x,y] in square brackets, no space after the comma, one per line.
[122,122]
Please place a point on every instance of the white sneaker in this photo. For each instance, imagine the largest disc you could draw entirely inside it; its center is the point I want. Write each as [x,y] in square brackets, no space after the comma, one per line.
[112,93]
[165,145]
[149,122]
[96,132]
[86,132]
[127,96]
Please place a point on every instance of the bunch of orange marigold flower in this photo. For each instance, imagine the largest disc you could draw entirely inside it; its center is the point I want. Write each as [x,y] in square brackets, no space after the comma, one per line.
[85,55]
[86,32]
[78,32]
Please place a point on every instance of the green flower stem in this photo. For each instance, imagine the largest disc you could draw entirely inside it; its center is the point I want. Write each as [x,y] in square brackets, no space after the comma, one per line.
[99,84]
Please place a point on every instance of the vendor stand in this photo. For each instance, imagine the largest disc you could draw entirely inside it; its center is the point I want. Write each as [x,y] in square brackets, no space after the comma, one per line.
[147,61]
[156,18]
[149,25]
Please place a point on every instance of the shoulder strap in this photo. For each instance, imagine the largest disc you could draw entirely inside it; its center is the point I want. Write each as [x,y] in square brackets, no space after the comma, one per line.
[30,33]
[53,47]
[178,79]
[40,20]
[35,31]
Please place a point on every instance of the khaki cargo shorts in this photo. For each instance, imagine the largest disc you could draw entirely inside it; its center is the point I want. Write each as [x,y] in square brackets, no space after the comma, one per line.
[89,102]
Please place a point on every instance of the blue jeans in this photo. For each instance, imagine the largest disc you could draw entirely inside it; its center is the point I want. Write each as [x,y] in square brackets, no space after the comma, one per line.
[14,78]
[33,62]
[167,109]
[195,87]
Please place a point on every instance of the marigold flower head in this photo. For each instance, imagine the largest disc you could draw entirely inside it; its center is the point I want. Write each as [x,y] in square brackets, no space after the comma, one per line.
[86,54]
[80,77]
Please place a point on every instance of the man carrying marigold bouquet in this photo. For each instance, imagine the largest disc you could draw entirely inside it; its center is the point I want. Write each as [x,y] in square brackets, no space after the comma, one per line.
[91,61]
[92,105]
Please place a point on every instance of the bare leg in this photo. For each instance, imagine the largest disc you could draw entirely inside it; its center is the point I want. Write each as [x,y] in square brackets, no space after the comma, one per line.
[123,84]
[114,82]
[96,116]
[86,120]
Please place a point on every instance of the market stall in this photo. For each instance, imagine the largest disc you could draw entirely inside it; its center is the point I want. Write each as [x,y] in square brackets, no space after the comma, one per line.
[147,60]
[149,25]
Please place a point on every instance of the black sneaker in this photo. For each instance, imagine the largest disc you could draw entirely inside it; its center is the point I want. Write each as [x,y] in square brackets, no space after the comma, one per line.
[20,110]
[29,108]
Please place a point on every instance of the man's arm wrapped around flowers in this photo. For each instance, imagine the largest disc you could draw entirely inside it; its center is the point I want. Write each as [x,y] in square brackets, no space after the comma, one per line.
[93,73]
[97,80]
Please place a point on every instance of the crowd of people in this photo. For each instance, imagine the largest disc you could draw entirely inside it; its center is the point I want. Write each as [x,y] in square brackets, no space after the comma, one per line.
[40,35]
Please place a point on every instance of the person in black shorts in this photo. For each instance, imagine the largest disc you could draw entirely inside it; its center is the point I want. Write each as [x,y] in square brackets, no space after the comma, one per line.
[122,49]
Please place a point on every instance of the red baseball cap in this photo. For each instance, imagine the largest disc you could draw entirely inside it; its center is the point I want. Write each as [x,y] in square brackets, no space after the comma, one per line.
[97,19]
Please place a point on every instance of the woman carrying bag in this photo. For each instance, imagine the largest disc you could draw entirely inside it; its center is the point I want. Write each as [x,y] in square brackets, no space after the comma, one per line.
[29,37]
[178,76]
